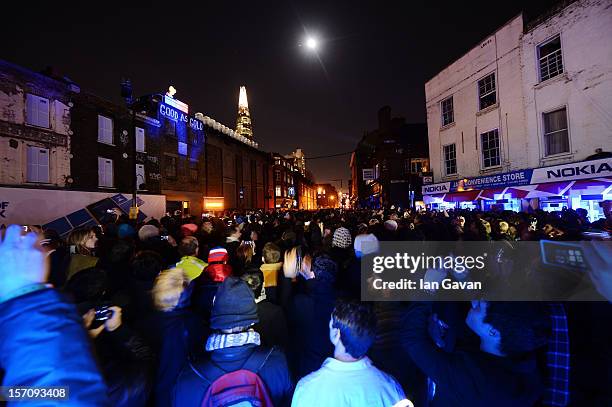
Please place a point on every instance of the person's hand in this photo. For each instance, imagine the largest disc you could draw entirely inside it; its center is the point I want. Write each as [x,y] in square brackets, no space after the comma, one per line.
[172,241]
[599,257]
[88,319]
[114,321]
[290,263]
[22,260]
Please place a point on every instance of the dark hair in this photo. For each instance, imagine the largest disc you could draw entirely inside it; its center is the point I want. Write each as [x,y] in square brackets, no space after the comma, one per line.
[188,246]
[88,285]
[357,324]
[254,279]
[523,327]
[147,265]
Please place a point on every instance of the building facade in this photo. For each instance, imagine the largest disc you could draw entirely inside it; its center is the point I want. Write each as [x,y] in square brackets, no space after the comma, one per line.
[284,177]
[35,128]
[388,164]
[533,98]
[106,139]
[327,196]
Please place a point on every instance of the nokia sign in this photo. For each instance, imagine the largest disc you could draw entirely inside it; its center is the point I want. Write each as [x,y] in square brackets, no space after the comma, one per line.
[575,171]
[436,188]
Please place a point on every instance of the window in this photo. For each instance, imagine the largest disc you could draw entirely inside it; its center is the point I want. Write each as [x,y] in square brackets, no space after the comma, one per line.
[182,148]
[170,128]
[550,59]
[450,159]
[407,166]
[105,130]
[419,165]
[140,176]
[487,94]
[277,175]
[193,171]
[448,114]
[170,166]
[105,172]
[490,149]
[556,138]
[140,140]
[37,111]
[38,165]
[278,191]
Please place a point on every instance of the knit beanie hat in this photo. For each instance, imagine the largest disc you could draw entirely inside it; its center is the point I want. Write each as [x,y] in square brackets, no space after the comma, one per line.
[147,232]
[234,305]
[218,255]
[125,231]
[324,269]
[189,229]
[391,225]
[342,238]
[365,244]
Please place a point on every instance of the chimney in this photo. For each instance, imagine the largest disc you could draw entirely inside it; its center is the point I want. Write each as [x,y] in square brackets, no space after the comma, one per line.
[384,117]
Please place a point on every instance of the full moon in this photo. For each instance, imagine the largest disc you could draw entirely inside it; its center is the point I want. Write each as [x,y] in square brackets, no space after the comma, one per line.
[311,43]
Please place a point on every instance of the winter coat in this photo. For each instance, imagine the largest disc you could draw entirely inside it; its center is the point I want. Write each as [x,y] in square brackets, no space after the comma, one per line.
[174,335]
[272,325]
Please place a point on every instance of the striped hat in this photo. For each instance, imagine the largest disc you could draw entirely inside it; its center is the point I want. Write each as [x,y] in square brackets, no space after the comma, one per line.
[218,255]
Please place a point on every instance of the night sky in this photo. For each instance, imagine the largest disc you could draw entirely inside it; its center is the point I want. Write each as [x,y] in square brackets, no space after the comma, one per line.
[372,54]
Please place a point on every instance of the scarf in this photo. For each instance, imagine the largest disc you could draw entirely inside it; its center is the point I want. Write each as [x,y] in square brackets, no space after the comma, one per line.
[221,341]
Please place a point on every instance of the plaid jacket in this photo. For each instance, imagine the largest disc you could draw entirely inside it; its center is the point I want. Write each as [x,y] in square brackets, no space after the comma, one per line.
[558,359]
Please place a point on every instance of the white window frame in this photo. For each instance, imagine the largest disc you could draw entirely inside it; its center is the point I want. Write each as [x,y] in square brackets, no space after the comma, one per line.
[444,166]
[106,180]
[538,58]
[569,138]
[139,134]
[38,170]
[105,134]
[277,191]
[35,116]
[480,96]
[482,151]
[452,111]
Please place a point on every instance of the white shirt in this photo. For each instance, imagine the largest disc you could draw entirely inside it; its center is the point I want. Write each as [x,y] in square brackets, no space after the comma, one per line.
[355,384]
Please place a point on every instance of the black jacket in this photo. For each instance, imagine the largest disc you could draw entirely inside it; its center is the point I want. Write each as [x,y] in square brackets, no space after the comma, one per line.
[174,335]
[470,378]
[272,325]
[190,388]
[308,316]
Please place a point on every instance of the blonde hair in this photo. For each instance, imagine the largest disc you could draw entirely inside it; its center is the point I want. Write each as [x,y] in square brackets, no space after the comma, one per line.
[290,268]
[78,238]
[168,288]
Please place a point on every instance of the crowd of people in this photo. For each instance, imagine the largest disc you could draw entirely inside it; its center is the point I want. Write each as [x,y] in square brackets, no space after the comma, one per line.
[265,307]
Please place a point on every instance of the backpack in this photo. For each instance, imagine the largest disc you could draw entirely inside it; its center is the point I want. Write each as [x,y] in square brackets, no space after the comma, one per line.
[242,387]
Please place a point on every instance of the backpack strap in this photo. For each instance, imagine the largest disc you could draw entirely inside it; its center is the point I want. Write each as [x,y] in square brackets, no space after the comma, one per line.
[257,359]
[216,372]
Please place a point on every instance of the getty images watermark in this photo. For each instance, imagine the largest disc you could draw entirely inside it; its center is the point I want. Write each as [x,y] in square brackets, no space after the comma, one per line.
[500,270]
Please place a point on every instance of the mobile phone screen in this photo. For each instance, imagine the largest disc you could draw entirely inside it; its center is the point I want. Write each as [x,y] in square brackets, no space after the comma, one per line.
[565,255]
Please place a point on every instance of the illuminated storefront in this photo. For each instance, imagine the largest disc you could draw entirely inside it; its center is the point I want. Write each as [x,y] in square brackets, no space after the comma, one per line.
[576,185]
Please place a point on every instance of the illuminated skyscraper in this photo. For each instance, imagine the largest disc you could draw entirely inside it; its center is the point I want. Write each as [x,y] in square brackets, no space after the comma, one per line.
[243,123]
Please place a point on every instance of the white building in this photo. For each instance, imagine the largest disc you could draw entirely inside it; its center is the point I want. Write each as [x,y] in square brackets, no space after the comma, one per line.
[534,94]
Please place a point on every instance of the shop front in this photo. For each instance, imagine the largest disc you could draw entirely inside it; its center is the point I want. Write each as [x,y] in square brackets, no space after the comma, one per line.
[577,185]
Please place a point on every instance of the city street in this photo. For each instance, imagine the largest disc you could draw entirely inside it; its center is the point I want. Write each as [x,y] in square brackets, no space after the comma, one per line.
[306,204]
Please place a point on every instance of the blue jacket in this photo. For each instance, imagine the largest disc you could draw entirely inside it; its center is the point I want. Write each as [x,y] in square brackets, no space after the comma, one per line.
[43,343]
